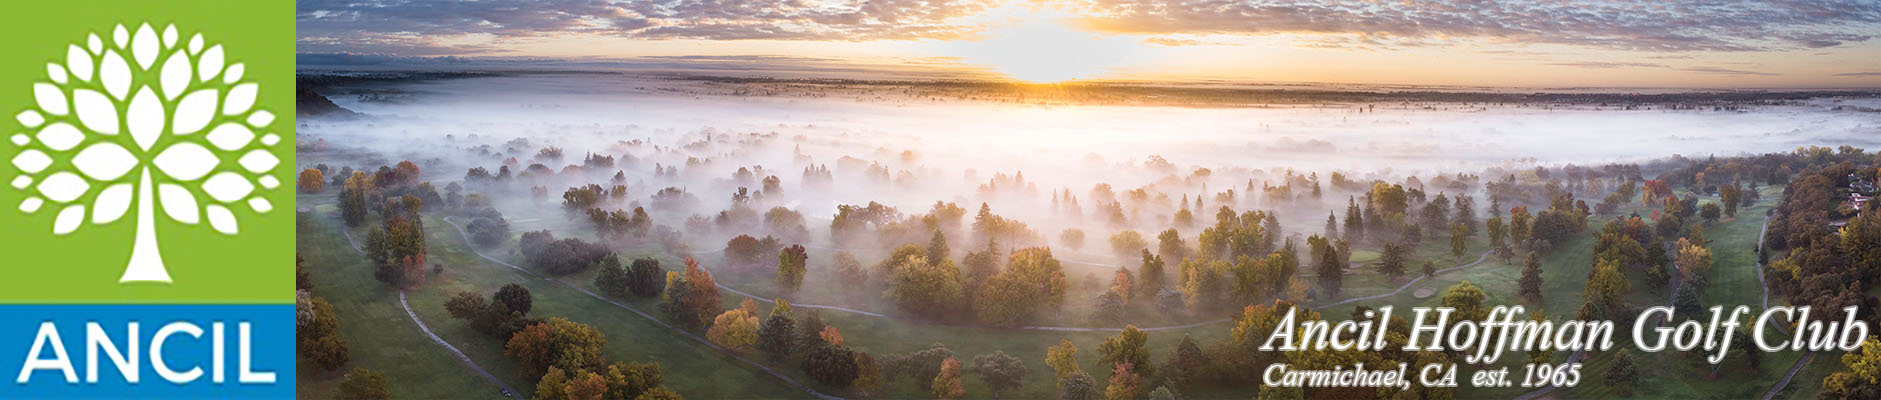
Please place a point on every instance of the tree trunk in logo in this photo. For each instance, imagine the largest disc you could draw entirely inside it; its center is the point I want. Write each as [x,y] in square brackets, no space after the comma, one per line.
[146,260]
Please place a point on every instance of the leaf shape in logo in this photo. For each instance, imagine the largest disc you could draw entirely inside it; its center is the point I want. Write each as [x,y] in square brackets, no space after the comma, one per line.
[227,187]
[221,219]
[234,73]
[104,161]
[185,161]
[144,46]
[63,187]
[240,98]
[60,136]
[178,203]
[195,111]
[50,98]
[95,111]
[260,205]
[210,64]
[111,204]
[68,220]
[79,62]
[145,118]
[230,136]
[31,161]
[176,74]
[259,161]
[56,72]
[115,74]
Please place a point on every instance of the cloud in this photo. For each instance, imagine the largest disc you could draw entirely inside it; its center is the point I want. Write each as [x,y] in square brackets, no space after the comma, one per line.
[1725,71]
[1171,42]
[1862,74]
[1655,26]
[429,27]
[421,22]
[1607,64]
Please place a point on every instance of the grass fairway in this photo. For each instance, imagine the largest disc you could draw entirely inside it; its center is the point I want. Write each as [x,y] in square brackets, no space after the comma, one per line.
[381,337]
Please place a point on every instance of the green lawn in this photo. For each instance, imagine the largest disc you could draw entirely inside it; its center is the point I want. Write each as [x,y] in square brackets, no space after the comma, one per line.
[381,337]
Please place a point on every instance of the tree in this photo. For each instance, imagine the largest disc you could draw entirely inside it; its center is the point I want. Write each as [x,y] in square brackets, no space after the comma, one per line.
[319,337]
[1033,282]
[999,370]
[488,231]
[1467,300]
[791,267]
[1519,224]
[312,181]
[1731,196]
[921,288]
[514,297]
[1326,264]
[1531,279]
[1710,212]
[645,278]
[1150,274]
[558,343]
[1126,243]
[947,383]
[1391,261]
[1186,364]
[364,384]
[1862,377]
[554,384]
[1126,347]
[831,364]
[777,335]
[353,198]
[1078,386]
[849,270]
[1622,374]
[1539,354]
[1162,393]
[1063,358]
[937,247]
[735,329]
[692,296]
[1109,308]
[868,375]
[1124,383]
[1496,230]
[90,161]
[612,278]
[1354,221]
[1170,246]
[1459,239]
[1072,238]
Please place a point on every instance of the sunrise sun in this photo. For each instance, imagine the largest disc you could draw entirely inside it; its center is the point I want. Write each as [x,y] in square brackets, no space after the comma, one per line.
[1044,49]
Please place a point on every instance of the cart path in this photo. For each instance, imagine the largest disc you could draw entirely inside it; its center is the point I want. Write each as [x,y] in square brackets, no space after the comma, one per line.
[434,337]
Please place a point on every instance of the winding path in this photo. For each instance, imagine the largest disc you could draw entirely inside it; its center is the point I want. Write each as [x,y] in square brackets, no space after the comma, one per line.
[636,311]
[1807,356]
[434,337]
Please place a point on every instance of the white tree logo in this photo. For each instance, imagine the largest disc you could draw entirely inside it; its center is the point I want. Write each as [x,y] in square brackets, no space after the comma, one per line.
[147,99]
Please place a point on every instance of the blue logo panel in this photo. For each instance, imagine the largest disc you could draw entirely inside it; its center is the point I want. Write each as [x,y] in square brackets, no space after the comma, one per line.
[180,351]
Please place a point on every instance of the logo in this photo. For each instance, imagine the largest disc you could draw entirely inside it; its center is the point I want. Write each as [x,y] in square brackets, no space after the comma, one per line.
[142,150]
[145,118]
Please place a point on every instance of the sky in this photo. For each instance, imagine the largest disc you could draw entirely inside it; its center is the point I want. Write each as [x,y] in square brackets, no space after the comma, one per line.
[1541,44]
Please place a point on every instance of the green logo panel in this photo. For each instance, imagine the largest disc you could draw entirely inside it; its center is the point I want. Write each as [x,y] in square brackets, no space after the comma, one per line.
[148,152]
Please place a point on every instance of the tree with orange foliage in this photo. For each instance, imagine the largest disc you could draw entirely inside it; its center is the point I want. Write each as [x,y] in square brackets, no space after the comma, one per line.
[312,181]
[831,335]
[947,383]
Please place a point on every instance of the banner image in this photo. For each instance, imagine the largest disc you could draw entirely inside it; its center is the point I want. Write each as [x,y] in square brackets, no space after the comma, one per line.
[939,199]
